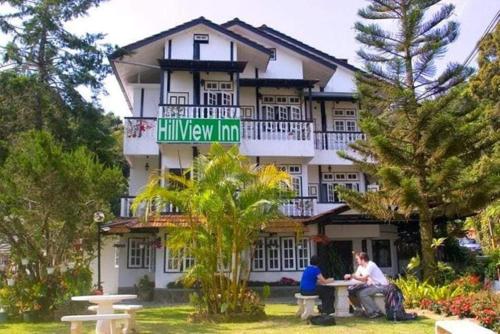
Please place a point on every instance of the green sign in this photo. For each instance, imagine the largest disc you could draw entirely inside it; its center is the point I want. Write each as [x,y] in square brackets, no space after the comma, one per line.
[198,130]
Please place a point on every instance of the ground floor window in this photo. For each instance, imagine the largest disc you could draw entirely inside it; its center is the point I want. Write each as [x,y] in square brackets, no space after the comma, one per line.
[288,253]
[259,256]
[303,253]
[382,253]
[139,253]
[273,254]
[177,260]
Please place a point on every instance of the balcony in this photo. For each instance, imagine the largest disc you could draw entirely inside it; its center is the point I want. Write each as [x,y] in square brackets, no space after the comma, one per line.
[296,207]
[140,136]
[204,111]
[325,143]
[335,140]
[126,204]
[266,138]
[299,207]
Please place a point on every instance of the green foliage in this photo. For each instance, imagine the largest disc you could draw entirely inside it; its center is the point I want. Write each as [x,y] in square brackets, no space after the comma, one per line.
[430,148]
[266,291]
[227,202]
[47,200]
[145,288]
[487,227]
[44,296]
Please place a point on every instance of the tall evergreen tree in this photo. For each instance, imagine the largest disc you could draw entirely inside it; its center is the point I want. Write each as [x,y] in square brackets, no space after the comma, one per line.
[49,64]
[425,146]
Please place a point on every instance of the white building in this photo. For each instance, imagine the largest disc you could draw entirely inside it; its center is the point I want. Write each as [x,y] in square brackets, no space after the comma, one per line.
[283,102]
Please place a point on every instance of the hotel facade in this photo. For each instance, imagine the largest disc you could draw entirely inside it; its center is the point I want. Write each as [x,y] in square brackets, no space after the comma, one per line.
[282,102]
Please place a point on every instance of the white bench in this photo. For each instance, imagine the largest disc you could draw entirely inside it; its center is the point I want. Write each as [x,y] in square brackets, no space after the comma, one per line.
[306,305]
[459,327]
[130,326]
[379,299]
[77,320]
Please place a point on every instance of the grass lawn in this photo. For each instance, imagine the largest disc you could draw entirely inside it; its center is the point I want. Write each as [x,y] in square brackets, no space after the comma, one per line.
[281,319]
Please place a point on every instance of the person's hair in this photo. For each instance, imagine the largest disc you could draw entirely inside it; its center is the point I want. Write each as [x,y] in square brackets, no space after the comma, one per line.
[314,260]
[363,256]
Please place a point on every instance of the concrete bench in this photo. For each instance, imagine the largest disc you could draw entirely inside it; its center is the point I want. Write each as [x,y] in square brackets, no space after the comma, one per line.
[459,327]
[379,299]
[306,305]
[130,326]
[77,321]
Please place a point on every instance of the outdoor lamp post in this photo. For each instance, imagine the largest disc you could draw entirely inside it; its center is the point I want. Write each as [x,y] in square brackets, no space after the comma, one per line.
[98,219]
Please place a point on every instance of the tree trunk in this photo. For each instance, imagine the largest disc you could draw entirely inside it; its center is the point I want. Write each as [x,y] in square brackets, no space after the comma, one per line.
[426,234]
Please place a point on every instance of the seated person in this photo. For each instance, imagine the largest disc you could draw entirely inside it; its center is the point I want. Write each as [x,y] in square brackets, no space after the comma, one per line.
[370,274]
[312,283]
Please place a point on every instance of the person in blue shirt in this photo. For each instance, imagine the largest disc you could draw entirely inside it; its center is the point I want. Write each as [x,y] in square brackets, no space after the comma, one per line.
[313,283]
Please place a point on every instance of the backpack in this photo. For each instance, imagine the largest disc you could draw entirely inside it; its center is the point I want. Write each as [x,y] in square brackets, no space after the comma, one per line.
[322,320]
[394,305]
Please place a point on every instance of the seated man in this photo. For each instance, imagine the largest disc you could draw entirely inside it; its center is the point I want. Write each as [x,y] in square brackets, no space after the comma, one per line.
[370,274]
[309,286]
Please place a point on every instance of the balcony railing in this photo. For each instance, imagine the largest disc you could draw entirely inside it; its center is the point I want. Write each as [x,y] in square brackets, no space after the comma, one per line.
[299,207]
[336,140]
[329,193]
[126,203]
[204,111]
[276,130]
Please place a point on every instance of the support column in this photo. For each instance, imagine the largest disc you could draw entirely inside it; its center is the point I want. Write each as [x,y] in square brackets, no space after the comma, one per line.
[310,104]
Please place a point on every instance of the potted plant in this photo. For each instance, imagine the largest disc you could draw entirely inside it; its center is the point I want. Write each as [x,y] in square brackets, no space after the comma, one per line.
[145,289]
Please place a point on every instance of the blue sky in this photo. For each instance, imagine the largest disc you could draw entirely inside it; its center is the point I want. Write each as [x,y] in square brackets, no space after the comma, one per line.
[324,24]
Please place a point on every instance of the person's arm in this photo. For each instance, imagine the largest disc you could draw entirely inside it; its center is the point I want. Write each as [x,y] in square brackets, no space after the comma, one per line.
[357,276]
[322,280]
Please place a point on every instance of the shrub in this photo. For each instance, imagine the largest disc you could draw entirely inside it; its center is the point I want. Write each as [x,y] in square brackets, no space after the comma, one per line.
[469,283]
[461,306]
[145,289]
[486,309]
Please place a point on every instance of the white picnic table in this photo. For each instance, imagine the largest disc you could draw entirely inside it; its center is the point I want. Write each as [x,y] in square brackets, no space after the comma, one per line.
[104,306]
[342,296]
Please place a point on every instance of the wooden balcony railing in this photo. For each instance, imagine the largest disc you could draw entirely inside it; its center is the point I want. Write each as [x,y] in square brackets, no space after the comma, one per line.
[126,203]
[204,111]
[336,140]
[302,206]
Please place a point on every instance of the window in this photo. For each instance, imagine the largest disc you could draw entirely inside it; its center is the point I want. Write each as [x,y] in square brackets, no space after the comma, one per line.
[172,259]
[350,126]
[327,176]
[211,85]
[294,169]
[269,99]
[139,252]
[259,256]
[339,126]
[200,38]
[273,254]
[273,53]
[281,99]
[382,253]
[117,257]
[226,85]
[187,260]
[312,190]
[339,176]
[350,112]
[297,185]
[352,176]
[338,112]
[303,255]
[294,100]
[288,253]
[295,113]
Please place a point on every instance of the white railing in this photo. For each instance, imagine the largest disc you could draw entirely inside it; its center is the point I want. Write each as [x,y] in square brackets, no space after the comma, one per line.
[335,140]
[299,207]
[276,130]
[204,111]
[126,203]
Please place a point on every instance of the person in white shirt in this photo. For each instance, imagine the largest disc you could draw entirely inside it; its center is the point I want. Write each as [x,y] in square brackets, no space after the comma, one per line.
[376,282]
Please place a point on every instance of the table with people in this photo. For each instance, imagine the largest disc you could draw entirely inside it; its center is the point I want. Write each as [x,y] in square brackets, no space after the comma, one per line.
[357,289]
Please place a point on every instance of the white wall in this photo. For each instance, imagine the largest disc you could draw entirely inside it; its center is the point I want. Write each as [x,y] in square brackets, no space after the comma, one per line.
[109,270]
[151,100]
[342,81]
[139,177]
[128,277]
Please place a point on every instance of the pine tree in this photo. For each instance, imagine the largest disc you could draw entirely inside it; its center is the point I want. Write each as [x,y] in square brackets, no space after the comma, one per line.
[425,144]
[40,44]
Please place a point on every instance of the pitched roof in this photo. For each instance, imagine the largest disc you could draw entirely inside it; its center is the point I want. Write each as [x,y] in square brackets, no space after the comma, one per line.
[280,41]
[201,20]
[335,60]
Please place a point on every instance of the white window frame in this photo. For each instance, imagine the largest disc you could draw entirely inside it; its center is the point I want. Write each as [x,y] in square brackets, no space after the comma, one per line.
[211,85]
[327,177]
[134,246]
[187,260]
[270,257]
[226,85]
[284,265]
[170,257]
[303,253]
[259,255]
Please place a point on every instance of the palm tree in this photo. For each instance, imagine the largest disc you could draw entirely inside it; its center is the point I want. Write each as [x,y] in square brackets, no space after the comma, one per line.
[226,202]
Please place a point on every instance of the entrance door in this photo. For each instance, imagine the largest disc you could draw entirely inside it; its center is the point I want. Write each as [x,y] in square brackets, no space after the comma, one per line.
[336,258]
